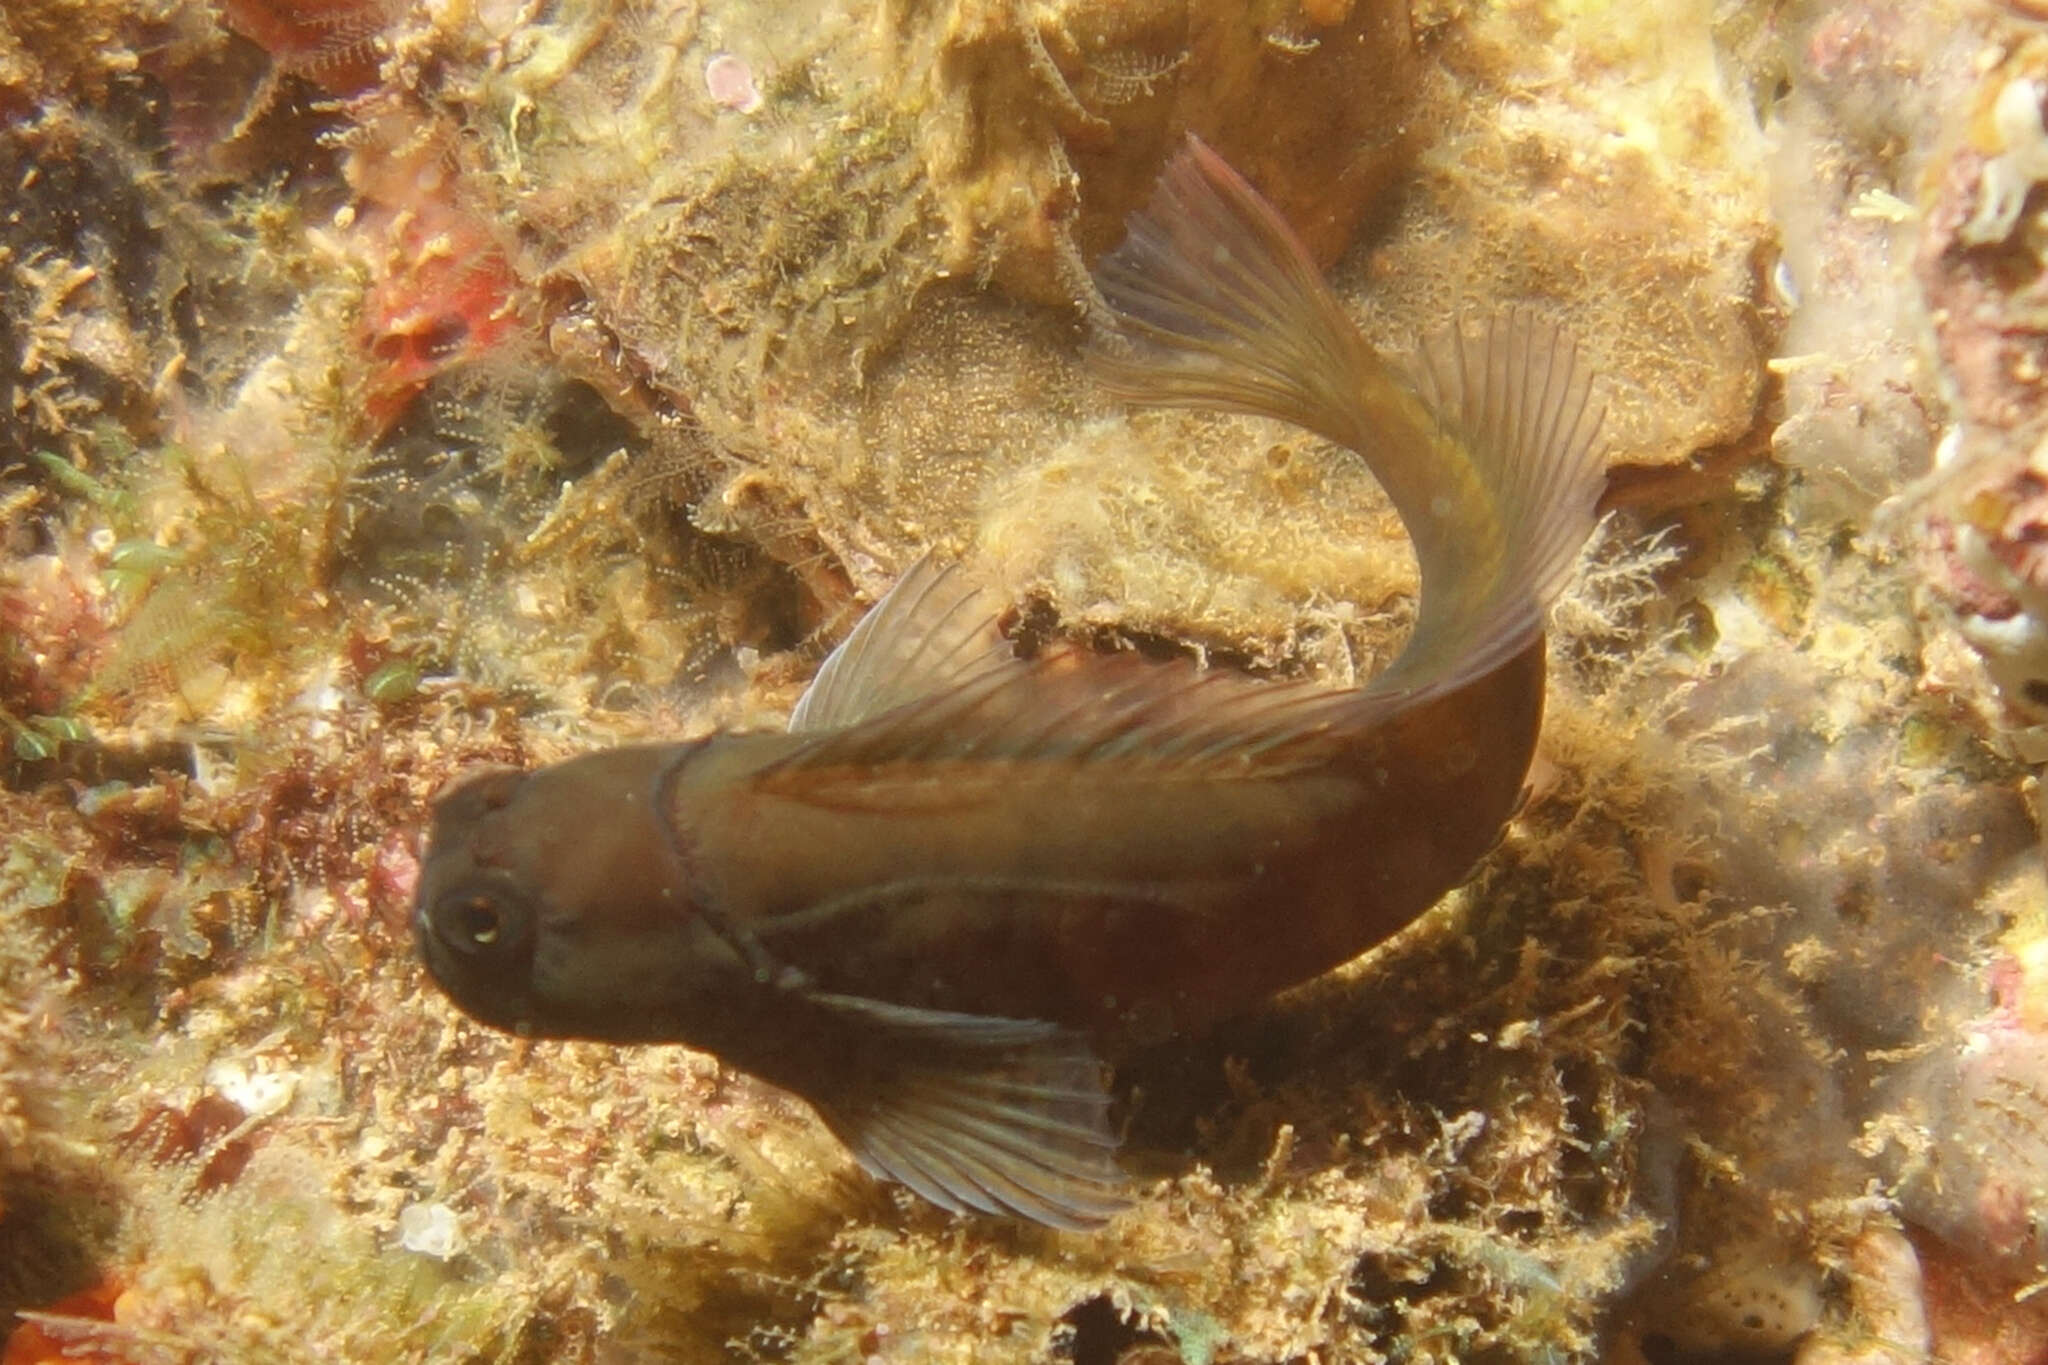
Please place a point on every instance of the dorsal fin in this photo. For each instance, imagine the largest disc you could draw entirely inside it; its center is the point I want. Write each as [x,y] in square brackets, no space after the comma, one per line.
[927,677]
[934,631]
[1073,706]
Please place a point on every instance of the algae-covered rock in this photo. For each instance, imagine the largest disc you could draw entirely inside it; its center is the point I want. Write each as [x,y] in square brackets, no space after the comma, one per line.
[387,391]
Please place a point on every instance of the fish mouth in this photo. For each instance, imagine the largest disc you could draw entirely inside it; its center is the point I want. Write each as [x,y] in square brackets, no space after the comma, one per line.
[485,1001]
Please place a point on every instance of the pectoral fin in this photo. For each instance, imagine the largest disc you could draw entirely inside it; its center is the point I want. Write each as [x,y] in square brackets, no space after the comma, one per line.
[999,1116]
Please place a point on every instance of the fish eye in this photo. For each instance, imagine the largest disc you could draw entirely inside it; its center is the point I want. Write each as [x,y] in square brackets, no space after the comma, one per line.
[479,921]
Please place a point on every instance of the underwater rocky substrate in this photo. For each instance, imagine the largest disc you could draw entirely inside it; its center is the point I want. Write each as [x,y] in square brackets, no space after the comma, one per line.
[393,390]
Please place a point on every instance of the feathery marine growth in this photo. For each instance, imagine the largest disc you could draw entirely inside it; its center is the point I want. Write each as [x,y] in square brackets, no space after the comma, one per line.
[965,881]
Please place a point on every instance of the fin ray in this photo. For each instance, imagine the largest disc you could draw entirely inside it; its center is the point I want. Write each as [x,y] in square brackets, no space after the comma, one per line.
[933,630]
[1488,443]
[1512,391]
[1072,708]
[976,1113]
[1219,305]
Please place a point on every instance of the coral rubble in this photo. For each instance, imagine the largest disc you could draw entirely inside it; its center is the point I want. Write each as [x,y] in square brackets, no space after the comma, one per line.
[387,390]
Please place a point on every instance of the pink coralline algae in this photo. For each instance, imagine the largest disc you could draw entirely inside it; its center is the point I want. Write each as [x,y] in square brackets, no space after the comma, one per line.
[730,82]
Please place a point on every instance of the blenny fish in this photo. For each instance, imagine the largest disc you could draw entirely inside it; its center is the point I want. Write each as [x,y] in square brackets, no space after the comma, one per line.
[963,879]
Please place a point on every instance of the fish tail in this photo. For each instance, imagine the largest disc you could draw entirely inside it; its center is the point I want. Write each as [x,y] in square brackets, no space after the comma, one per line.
[1218,304]
[1488,444]
[1522,408]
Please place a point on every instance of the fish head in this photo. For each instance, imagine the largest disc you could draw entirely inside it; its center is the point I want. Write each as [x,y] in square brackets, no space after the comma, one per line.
[556,902]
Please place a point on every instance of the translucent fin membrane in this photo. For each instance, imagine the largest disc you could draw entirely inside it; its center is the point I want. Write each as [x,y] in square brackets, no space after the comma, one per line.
[1219,305]
[934,630]
[1076,708]
[1489,449]
[985,1115]
[1513,397]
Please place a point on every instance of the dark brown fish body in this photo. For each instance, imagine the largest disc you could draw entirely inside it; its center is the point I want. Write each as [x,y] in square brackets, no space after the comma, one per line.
[1116,898]
[963,877]
[1125,902]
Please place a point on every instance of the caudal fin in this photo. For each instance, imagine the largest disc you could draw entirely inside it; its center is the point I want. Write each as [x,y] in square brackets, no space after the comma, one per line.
[1219,305]
[1523,409]
[1487,443]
